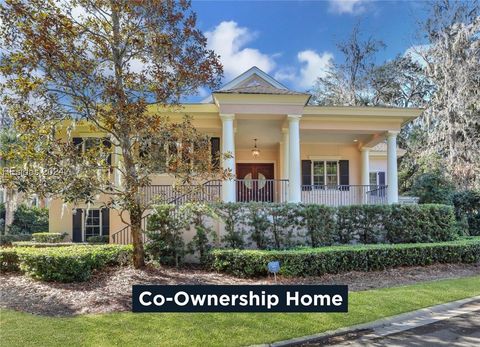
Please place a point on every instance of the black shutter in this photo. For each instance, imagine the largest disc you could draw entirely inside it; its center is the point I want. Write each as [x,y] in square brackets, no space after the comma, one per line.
[77,225]
[77,142]
[106,143]
[105,221]
[381,183]
[215,151]
[344,174]
[306,175]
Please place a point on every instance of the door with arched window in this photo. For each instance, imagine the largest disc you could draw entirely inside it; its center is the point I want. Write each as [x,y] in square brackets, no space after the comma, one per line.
[255,182]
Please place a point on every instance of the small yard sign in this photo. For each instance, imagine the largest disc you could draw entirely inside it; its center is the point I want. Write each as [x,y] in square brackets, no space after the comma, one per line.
[274,267]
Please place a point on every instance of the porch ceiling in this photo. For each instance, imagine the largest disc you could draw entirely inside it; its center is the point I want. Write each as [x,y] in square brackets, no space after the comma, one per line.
[267,131]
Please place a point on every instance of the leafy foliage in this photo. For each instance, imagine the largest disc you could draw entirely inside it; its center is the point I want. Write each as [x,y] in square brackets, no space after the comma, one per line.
[319,261]
[63,264]
[47,237]
[28,220]
[467,209]
[283,226]
[432,188]
[7,240]
[116,69]
[165,235]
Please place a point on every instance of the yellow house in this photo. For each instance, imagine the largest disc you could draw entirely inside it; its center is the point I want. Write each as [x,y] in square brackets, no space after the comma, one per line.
[284,150]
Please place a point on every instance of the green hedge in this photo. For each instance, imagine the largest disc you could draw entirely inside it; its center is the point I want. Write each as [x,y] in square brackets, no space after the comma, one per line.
[7,240]
[63,264]
[283,226]
[48,237]
[338,259]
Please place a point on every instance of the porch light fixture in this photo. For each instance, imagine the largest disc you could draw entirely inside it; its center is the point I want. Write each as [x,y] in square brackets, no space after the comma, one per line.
[255,150]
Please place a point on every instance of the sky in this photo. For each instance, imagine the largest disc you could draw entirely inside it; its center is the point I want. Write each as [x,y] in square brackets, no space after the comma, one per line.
[295,41]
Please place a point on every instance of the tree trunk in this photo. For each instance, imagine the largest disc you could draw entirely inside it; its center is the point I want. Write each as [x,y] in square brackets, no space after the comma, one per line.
[136,230]
[10,207]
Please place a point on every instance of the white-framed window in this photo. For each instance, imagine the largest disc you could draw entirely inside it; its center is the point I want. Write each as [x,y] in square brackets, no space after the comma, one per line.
[374,178]
[92,223]
[325,173]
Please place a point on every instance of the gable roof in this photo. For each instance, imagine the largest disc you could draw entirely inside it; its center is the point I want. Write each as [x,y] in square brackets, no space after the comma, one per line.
[259,89]
[239,80]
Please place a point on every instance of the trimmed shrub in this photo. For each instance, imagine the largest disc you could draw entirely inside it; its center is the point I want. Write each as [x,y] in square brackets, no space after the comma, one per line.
[9,260]
[165,235]
[420,223]
[319,225]
[467,210]
[232,215]
[283,226]
[98,239]
[47,237]
[43,245]
[7,240]
[64,264]
[29,220]
[338,259]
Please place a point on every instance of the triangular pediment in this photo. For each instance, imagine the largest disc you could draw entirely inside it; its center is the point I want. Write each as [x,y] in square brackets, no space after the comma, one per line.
[253,77]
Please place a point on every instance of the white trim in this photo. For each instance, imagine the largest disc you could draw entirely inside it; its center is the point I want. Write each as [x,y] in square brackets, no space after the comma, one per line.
[249,73]
[325,157]
[84,216]
[325,175]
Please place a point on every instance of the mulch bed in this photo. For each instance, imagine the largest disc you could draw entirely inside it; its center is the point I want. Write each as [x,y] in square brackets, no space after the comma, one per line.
[110,291]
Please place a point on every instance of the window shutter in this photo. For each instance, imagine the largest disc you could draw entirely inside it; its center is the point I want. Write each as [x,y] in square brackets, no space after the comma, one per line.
[108,144]
[381,178]
[77,225]
[344,174]
[381,183]
[306,174]
[77,142]
[215,151]
[105,221]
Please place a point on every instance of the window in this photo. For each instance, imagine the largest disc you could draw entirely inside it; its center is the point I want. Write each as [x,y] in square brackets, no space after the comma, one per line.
[325,174]
[93,223]
[373,178]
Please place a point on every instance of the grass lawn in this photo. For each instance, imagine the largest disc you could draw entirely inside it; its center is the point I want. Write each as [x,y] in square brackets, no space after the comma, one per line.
[226,329]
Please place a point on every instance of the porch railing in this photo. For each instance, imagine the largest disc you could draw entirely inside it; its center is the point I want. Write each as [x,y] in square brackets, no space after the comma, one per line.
[207,192]
[266,190]
[340,195]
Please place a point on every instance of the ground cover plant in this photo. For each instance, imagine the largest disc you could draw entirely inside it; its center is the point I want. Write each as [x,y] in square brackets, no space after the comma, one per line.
[337,259]
[63,264]
[217,329]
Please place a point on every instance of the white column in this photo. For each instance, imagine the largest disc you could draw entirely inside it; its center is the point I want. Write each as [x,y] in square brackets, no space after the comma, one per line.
[392,174]
[286,155]
[365,174]
[294,159]
[228,146]
[365,166]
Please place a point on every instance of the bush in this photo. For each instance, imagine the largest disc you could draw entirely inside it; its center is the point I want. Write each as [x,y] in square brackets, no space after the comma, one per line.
[420,223]
[319,224]
[282,226]
[432,188]
[338,259]
[47,237]
[9,260]
[98,239]
[63,264]
[29,220]
[43,244]
[7,240]
[164,234]
[467,210]
[233,217]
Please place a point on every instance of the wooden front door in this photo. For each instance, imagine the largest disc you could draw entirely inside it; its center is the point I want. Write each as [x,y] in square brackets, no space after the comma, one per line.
[255,182]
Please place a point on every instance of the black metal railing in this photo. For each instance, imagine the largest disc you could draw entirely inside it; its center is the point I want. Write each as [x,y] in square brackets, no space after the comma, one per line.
[176,195]
[341,195]
[266,190]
